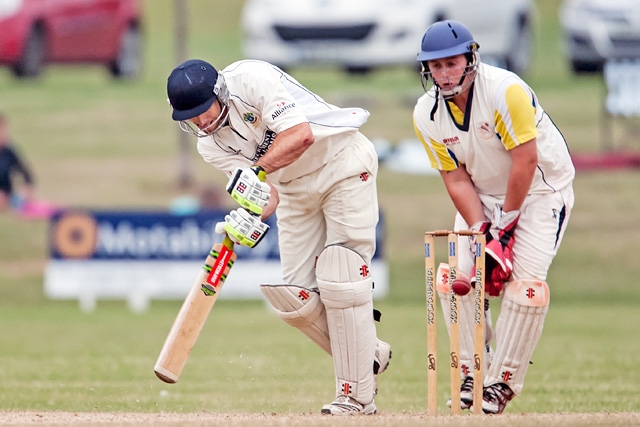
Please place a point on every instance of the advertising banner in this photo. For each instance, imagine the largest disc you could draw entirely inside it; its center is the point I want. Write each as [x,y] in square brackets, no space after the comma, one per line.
[141,256]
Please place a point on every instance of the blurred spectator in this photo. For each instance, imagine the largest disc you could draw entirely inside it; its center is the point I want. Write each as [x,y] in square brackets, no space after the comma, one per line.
[10,165]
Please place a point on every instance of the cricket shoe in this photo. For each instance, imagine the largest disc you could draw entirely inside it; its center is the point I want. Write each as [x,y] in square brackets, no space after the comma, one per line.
[466,389]
[380,362]
[495,398]
[345,405]
[466,394]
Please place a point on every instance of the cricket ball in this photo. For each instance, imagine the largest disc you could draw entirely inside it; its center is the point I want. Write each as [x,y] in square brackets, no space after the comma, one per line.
[461,285]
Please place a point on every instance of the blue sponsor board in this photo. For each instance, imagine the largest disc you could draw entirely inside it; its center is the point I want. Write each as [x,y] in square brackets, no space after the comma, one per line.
[117,235]
[144,255]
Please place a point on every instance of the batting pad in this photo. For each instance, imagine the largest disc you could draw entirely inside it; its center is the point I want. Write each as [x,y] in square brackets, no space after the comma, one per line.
[518,329]
[301,308]
[346,289]
[466,314]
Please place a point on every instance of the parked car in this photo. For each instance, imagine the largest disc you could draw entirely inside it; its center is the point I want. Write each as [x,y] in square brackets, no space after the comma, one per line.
[597,30]
[37,32]
[360,35]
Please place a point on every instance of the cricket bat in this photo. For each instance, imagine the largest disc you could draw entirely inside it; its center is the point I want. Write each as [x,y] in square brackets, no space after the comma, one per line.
[194,311]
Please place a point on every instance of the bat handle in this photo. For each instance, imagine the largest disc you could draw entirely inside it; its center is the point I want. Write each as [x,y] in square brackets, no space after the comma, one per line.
[228,242]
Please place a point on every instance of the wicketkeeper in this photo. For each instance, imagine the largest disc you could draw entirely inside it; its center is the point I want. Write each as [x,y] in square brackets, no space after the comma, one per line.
[508,172]
[288,151]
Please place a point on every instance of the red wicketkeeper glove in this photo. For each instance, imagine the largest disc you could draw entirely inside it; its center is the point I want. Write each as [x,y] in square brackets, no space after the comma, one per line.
[500,235]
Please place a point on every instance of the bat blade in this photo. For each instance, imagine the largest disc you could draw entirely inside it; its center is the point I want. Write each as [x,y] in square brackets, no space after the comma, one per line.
[194,312]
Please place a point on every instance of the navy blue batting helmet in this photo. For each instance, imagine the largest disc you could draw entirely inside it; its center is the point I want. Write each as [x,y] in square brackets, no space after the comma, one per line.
[190,88]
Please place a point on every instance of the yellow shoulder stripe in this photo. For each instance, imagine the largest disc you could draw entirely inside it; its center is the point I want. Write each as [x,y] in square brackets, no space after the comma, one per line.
[519,127]
[438,154]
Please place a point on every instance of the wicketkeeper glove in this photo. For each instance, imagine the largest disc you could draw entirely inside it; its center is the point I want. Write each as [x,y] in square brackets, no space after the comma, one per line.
[500,236]
[243,227]
[247,187]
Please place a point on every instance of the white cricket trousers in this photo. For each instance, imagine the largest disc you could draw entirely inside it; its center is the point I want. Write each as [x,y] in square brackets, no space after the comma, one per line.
[336,204]
[542,223]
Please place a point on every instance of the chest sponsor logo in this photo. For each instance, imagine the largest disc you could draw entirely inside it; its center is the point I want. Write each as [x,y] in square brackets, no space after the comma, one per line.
[451,141]
[282,108]
[251,118]
[485,130]
[263,146]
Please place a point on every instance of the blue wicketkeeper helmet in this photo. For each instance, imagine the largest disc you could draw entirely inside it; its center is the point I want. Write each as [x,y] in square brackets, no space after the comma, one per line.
[446,38]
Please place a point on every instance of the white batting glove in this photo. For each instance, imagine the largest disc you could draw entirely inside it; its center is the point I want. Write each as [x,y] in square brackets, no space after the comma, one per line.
[247,187]
[243,228]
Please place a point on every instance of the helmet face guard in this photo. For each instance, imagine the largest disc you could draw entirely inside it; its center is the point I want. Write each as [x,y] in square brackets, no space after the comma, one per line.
[445,39]
[195,91]
[219,122]
[467,78]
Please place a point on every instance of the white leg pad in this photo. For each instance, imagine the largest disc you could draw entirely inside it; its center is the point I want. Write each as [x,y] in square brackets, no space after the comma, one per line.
[524,307]
[466,308]
[346,289]
[301,308]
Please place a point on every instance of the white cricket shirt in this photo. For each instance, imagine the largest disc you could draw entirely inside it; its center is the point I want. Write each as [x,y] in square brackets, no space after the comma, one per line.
[504,112]
[263,101]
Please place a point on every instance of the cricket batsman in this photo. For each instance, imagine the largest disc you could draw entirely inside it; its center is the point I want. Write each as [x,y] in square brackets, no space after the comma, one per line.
[508,172]
[286,150]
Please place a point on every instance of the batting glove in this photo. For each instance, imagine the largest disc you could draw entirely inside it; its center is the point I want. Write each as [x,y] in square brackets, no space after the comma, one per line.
[243,228]
[247,187]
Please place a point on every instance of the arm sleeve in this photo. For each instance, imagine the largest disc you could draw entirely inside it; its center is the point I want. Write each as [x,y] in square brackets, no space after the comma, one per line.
[266,91]
[515,114]
[440,156]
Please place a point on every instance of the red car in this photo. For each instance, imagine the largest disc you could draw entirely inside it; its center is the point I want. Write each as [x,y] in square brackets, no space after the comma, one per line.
[36,32]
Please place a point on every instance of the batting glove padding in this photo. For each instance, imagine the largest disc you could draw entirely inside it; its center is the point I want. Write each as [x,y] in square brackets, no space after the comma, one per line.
[247,187]
[243,228]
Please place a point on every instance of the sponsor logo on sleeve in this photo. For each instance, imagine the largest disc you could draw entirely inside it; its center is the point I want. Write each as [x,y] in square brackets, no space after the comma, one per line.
[281,108]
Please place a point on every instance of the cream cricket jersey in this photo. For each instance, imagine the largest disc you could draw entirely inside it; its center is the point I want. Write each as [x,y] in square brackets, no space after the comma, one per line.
[263,101]
[503,113]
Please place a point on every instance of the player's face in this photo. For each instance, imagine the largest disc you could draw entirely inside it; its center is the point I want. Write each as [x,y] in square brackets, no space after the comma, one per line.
[448,72]
[212,119]
[208,122]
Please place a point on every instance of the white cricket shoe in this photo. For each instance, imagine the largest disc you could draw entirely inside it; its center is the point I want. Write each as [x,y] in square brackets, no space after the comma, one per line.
[345,405]
[495,398]
[466,388]
[466,394]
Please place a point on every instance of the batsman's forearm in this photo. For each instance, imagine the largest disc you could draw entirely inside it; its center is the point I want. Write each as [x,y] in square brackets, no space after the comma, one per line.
[288,146]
